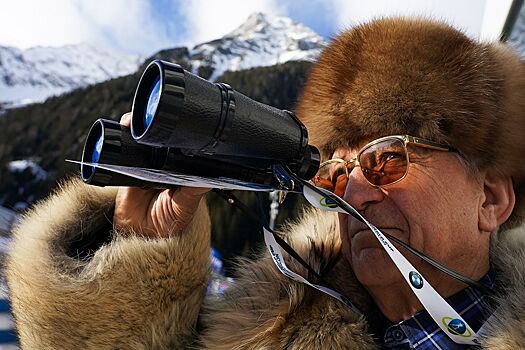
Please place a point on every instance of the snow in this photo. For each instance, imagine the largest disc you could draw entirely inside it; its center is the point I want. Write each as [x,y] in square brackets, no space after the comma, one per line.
[263,40]
[37,73]
[17,96]
[19,166]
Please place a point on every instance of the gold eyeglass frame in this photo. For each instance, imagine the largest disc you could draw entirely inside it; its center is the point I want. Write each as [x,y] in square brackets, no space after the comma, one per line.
[405,139]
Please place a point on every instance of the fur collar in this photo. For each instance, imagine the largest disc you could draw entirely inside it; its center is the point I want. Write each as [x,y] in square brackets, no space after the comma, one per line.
[266,310]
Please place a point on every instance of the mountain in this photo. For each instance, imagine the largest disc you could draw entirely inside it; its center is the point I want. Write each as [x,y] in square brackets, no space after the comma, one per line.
[32,75]
[262,40]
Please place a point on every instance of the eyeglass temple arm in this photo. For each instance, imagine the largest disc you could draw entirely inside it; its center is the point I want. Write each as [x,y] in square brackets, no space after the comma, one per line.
[429,144]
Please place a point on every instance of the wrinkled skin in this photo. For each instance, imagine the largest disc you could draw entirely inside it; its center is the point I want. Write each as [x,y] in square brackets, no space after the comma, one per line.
[155,213]
[441,208]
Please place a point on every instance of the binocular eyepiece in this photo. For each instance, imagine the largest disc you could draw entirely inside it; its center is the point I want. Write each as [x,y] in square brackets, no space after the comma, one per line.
[184,124]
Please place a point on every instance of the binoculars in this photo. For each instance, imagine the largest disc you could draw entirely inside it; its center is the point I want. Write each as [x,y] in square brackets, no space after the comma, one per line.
[186,125]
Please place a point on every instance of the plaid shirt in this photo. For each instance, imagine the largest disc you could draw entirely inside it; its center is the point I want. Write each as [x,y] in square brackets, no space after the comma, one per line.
[422,333]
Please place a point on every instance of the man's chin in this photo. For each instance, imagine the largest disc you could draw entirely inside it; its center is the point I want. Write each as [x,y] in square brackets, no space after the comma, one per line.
[373,266]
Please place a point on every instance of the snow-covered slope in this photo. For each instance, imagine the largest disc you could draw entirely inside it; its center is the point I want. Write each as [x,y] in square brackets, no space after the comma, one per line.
[262,40]
[34,74]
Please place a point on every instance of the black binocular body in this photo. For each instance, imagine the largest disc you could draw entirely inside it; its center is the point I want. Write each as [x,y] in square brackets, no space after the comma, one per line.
[184,124]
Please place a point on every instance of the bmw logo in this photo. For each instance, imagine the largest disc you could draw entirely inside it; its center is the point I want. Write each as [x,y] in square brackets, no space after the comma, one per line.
[456,326]
[398,335]
[415,279]
[327,202]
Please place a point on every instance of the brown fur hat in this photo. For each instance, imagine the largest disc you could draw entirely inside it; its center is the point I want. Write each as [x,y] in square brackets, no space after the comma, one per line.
[422,78]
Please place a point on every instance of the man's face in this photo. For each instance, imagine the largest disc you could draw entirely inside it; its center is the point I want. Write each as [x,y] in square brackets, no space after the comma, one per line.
[435,209]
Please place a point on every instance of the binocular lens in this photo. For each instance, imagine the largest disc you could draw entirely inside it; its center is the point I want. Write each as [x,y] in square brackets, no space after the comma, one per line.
[110,143]
[98,148]
[153,102]
[92,151]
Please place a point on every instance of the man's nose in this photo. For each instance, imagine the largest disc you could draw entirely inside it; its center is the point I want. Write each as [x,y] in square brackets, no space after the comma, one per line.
[359,193]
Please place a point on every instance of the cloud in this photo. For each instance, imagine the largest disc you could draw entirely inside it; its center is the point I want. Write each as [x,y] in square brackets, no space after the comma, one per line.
[126,25]
[120,24]
[25,23]
[205,20]
[464,14]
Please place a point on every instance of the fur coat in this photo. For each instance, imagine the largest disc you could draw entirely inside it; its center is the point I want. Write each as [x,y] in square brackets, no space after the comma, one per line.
[122,292]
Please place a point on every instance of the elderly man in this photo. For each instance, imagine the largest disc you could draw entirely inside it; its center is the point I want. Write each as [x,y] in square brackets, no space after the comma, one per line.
[452,189]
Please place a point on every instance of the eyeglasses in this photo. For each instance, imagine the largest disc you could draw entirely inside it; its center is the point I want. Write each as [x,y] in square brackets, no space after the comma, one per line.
[383,162]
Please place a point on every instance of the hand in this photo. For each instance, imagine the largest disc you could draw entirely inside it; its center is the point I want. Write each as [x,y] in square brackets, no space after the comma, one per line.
[155,213]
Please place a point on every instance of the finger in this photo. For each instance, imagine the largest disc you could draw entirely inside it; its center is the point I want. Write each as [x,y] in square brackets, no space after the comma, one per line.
[177,208]
[186,198]
[126,119]
[189,192]
[131,203]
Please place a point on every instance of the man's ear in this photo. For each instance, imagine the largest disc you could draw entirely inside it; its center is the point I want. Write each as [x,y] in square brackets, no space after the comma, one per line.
[499,200]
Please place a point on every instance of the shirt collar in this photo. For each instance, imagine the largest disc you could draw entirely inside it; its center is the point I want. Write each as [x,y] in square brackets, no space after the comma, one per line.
[421,331]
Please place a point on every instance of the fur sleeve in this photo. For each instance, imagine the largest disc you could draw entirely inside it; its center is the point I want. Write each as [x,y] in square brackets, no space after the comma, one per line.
[266,310]
[505,329]
[132,294]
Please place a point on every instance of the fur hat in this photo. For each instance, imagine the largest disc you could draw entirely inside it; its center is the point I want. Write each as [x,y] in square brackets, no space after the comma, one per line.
[422,78]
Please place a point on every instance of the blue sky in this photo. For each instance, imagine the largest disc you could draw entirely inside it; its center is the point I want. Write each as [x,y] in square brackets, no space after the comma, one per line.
[145,26]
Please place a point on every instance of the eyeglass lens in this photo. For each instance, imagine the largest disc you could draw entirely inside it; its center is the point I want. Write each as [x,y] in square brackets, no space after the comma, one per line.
[381,163]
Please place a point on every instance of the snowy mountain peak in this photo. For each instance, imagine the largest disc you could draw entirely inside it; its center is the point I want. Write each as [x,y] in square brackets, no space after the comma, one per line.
[262,40]
[259,24]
